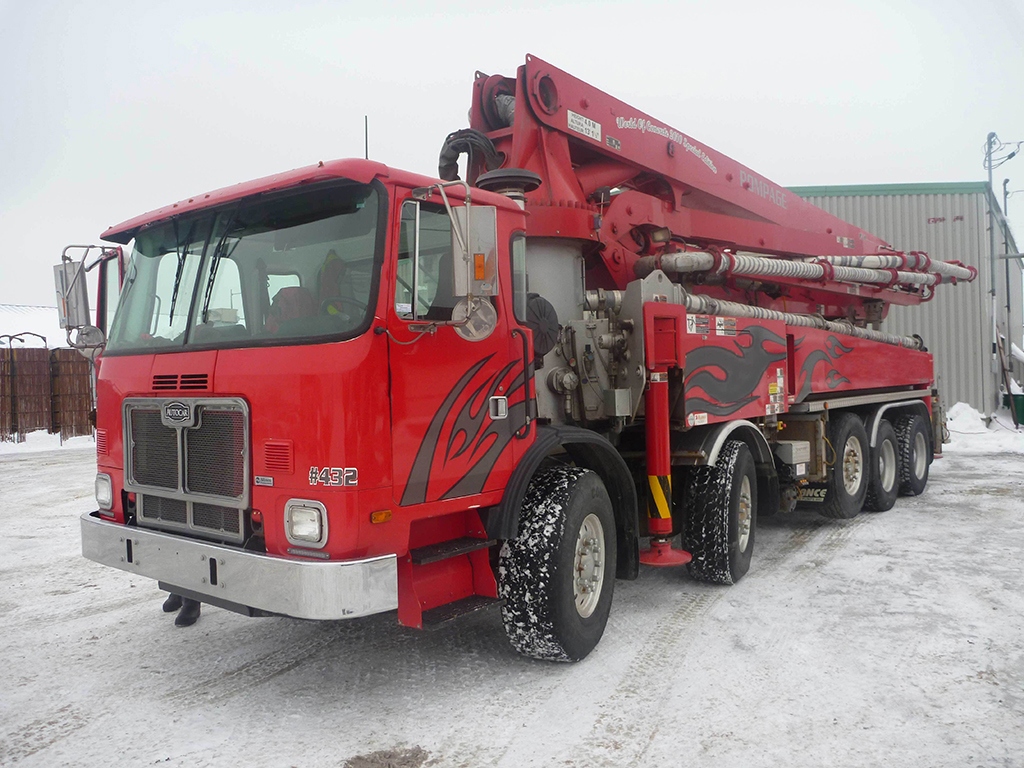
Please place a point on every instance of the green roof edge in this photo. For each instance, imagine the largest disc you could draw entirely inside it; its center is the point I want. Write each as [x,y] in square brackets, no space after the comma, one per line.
[927,188]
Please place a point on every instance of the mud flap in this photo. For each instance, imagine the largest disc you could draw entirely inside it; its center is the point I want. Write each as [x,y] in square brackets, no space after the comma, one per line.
[812,495]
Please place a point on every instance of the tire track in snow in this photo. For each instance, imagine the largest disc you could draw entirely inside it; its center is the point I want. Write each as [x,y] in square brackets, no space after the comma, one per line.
[89,611]
[626,726]
[40,734]
[256,672]
[622,730]
[655,661]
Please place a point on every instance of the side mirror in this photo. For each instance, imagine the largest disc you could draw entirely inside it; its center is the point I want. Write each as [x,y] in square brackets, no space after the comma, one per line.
[72,294]
[476,266]
[90,341]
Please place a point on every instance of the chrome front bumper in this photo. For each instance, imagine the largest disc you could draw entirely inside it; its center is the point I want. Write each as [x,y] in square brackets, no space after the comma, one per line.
[304,589]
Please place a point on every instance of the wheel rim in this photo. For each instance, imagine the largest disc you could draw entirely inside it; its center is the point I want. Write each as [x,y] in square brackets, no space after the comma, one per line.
[920,455]
[887,465]
[746,505]
[853,465]
[588,570]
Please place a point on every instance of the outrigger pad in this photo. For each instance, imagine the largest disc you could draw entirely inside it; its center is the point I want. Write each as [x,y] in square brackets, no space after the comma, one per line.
[661,555]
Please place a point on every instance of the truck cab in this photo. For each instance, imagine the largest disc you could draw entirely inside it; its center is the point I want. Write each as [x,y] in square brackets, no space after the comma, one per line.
[308,377]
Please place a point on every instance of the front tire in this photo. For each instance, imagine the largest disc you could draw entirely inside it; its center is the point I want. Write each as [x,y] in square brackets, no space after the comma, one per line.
[721,515]
[848,481]
[884,479]
[915,450]
[557,576]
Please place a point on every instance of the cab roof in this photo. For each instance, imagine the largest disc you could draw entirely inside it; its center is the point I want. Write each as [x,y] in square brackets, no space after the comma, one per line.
[361,171]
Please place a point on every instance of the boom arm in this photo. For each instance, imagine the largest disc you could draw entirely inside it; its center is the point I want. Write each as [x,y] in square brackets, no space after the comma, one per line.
[672,192]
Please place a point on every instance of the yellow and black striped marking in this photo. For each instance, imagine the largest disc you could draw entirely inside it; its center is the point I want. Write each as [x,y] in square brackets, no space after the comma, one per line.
[659,504]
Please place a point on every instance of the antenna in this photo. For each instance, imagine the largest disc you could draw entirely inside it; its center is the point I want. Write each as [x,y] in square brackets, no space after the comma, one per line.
[366,135]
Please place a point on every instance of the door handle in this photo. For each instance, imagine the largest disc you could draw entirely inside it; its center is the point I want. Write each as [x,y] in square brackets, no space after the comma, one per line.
[498,408]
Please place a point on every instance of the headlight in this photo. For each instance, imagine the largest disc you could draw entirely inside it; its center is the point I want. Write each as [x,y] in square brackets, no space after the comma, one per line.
[305,523]
[104,491]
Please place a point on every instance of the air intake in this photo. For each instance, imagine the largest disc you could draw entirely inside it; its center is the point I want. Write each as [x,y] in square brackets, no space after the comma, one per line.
[278,456]
[163,382]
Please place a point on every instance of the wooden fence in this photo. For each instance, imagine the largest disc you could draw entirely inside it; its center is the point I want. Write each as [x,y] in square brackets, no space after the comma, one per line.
[47,389]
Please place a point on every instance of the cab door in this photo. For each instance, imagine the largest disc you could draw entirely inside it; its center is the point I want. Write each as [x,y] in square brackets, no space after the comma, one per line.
[451,431]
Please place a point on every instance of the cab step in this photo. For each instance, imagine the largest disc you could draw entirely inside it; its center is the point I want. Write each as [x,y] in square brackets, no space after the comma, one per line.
[446,549]
[436,618]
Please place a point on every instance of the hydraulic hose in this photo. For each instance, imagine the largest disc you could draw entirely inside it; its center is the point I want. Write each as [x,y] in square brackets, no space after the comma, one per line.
[466,141]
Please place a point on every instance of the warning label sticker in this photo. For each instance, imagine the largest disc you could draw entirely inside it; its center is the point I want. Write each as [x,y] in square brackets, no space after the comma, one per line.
[700,324]
[696,419]
[725,326]
[584,125]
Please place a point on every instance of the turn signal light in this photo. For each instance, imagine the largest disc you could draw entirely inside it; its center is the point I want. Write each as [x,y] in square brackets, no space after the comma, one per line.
[380,516]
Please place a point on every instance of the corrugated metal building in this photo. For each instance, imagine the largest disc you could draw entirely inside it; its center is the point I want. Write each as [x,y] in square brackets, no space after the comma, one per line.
[948,221]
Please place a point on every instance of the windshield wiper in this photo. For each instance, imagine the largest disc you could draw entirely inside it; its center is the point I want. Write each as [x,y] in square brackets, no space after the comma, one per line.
[218,252]
[181,265]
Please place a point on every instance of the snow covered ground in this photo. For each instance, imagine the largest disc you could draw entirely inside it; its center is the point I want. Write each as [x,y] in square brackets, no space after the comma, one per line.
[893,639]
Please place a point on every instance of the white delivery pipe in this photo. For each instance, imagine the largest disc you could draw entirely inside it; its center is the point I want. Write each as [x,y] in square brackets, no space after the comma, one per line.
[752,265]
[917,262]
[873,270]
[705,305]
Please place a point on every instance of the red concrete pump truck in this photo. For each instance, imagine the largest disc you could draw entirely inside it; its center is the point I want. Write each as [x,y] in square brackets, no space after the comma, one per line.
[348,389]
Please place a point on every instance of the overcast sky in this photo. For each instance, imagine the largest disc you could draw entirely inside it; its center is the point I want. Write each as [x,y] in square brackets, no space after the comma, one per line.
[108,110]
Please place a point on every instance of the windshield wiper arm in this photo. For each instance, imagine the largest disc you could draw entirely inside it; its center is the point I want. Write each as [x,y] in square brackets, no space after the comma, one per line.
[215,262]
[181,265]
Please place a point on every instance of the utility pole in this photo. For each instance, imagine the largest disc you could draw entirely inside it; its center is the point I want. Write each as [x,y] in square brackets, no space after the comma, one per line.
[1006,250]
[989,146]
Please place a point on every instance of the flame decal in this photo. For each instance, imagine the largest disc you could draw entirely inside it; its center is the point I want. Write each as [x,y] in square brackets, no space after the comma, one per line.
[834,349]
[742,371]
[461,434]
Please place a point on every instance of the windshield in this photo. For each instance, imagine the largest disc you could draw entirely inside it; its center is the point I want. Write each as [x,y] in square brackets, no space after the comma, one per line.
[294,267]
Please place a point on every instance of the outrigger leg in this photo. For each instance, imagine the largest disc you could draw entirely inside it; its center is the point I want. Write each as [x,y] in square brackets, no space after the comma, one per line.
[659,476]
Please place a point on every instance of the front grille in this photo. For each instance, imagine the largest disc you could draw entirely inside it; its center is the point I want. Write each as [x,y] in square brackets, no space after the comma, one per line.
[215,454]
[216,518]
[165,510]
[154,450]
[193,480]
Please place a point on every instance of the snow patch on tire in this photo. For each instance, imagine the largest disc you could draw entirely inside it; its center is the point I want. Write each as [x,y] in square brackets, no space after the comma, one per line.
[527,566]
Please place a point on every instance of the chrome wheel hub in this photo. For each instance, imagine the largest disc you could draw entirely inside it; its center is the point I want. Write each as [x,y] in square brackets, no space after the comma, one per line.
[887,465]
[746,509]
[588,568]
[853,465]
[920,455]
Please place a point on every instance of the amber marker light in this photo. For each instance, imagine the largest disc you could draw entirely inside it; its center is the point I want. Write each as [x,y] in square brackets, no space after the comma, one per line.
[380,516]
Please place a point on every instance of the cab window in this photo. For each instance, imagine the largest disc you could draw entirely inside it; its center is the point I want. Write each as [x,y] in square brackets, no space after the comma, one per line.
[434,299]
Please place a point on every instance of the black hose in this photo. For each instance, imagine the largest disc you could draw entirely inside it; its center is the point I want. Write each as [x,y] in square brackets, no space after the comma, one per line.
[466,141]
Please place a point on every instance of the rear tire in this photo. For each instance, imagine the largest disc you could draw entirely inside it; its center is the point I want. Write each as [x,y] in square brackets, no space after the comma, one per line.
[847,483]
[721,516]
[884,479]
[557,576]
[915,451]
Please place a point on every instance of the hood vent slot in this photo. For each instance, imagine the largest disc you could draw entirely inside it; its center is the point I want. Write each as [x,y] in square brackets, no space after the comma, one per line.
[163,382]
[278,456]
[194,381]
